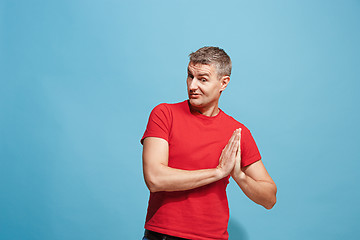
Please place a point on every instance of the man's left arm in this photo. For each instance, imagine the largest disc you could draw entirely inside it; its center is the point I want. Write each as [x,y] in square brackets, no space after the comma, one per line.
[255,182]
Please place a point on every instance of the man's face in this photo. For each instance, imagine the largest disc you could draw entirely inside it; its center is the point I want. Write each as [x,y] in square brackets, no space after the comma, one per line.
[204,86]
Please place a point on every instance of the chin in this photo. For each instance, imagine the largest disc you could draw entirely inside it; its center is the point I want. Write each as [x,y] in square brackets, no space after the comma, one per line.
[196,103]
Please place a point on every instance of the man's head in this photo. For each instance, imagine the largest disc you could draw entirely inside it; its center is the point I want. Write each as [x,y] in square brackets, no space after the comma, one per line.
[213,56]
[208,75]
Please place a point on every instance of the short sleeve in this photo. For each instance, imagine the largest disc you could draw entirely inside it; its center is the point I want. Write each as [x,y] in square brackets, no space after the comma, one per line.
[159,123]
[249,151]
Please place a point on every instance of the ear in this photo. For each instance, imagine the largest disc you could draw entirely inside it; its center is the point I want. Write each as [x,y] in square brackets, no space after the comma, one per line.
[224,81]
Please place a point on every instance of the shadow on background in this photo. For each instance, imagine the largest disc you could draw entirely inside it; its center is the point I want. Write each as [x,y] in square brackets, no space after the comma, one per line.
[236,231]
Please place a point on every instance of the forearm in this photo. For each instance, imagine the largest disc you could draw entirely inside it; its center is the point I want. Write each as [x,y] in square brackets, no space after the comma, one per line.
[160,177]
[171,179]
[259,191]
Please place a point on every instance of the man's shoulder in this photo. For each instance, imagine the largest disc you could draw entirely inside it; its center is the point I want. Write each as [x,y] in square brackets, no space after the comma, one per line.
[168,109]
[171,106]
[231,120]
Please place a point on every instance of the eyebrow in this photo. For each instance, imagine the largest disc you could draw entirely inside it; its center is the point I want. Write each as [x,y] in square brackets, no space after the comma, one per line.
[200,74]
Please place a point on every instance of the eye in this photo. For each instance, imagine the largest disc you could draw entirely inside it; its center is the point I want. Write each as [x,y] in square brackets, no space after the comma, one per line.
[203,80]
[190,76]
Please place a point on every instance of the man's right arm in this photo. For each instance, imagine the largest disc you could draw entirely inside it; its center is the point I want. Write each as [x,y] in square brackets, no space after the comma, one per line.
[160,177]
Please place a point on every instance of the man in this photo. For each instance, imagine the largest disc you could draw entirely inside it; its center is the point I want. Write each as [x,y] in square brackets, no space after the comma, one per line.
[190,150]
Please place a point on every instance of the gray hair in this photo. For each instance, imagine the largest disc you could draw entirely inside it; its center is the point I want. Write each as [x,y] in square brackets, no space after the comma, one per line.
[215,56]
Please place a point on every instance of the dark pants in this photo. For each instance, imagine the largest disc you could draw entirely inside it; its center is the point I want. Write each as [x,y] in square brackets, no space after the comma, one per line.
[151,235]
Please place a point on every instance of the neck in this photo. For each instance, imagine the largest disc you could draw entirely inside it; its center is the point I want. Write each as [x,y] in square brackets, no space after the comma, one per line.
[207,111]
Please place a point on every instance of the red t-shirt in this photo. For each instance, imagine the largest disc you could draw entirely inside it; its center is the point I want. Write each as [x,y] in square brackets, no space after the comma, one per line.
[195,142]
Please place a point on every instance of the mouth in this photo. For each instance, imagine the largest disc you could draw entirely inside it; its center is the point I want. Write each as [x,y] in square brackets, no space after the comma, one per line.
[194,95]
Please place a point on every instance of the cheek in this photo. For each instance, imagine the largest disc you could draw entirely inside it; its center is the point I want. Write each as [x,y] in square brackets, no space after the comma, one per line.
[214,89]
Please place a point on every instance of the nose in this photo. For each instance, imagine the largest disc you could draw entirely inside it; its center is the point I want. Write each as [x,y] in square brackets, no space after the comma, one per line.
[192,84]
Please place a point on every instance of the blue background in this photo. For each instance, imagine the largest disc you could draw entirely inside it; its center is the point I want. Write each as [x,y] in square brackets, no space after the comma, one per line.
[79,79]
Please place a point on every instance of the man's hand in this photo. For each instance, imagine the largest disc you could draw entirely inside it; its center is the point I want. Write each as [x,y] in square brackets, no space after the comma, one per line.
[228,156]
[237,167]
